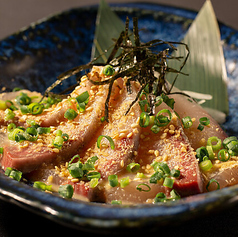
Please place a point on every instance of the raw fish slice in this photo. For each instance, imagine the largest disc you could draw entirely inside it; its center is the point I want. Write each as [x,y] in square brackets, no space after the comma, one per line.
[170,145]
[130,194]
[12,96]
[27,156]
[185,107]
[55,114]
[225,173]
[124,130]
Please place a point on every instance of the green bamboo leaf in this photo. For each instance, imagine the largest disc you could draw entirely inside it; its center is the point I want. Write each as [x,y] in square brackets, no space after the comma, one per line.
[206,64]
[108,27]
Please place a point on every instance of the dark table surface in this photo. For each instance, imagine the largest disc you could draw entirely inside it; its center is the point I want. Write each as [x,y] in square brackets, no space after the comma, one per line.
[15,220]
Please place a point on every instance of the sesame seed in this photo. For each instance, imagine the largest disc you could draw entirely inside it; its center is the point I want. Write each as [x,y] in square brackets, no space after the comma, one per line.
[151,151]
[171,132]
[130,134]
[163,136]
[171,127]
[134,125]
[146,139]
[135,130]
[142,136]
[156,153]
[122,135]
[55,150]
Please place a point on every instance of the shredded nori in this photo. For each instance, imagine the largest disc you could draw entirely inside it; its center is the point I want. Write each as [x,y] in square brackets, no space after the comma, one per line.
[137,61]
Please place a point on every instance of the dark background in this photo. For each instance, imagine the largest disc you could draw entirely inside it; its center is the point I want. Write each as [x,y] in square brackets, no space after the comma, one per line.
[15,14]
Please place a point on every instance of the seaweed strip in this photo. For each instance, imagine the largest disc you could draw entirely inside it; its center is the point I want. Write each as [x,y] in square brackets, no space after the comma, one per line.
[137,61]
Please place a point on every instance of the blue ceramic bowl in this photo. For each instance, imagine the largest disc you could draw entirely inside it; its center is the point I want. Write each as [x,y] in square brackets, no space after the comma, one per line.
[32,58]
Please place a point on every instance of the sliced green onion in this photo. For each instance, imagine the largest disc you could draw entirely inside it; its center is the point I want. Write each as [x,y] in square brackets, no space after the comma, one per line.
[201,152]
[88,166]
[11,127]
[155,165]
[32,131]
[157,176]
[1,150]
[116,202]
[223,155]
[3,105]
[158,101]
[144,119]
[133,167]
[81,107]
[205,165]
[43,130]
[9,114]
[58,133]
[227,140]
[92,160]
[23,99]
[75,157]
[35,108]
[113,180]
[146,188]
[93,183]
[112,145]
[42,186]
[164,167]
[24,109]
[13,173]
[210,182]
[216,140]
[58,142]
[144,105]
[210,152]
[16,135]
[31,122]
[152,120]
[175,173]
[155,129]
[65,136]
[169,101]
[10,105]
[124,182]
[76,169]
[233,147]
[108,70]
[83,98]
[204,121]
[162,120]
[93,175]
[174,195]
[70,114]
[160,197]
[66,190]
[140,175]
[200,127]
[168,182]
[187,122]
